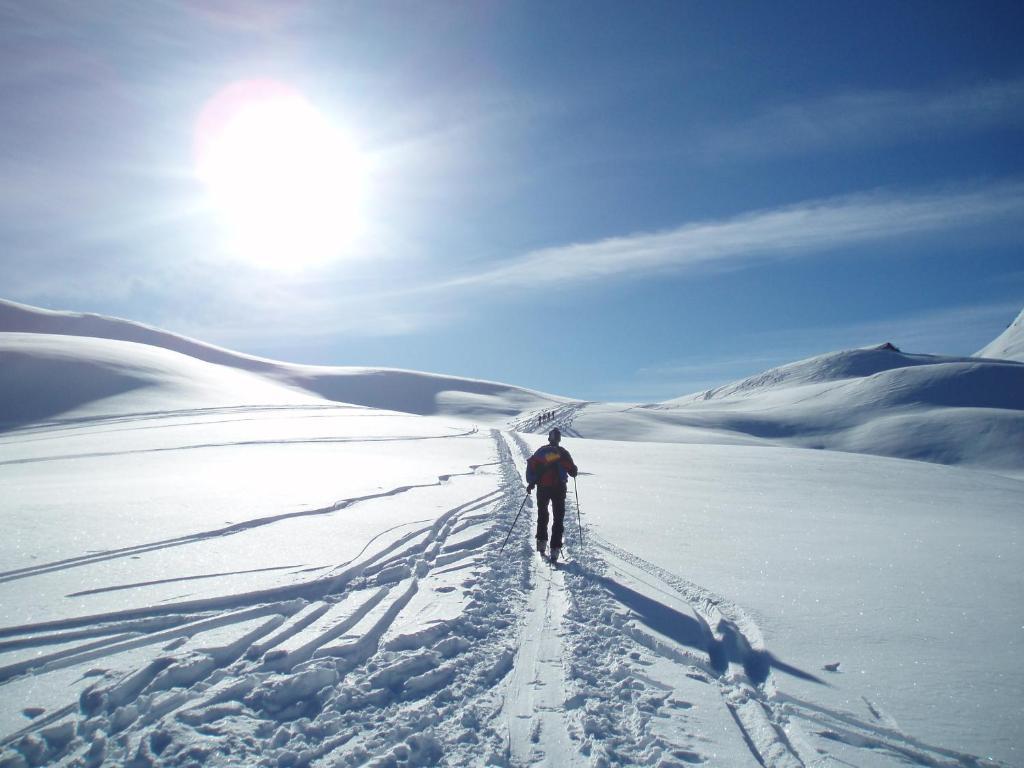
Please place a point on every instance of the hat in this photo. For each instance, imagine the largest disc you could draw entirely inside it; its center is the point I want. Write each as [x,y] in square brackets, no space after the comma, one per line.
[554,435]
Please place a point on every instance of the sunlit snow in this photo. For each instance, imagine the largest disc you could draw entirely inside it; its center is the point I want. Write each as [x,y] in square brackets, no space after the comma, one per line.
[216,559]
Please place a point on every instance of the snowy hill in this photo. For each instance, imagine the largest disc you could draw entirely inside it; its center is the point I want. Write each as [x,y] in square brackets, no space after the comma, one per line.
[44,376]
[960,411]
[391,389]
[1009,345]
[963,411]
[835,366]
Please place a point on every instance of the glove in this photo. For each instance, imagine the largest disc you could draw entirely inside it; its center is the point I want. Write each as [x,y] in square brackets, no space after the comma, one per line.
[574,472]
[529,488]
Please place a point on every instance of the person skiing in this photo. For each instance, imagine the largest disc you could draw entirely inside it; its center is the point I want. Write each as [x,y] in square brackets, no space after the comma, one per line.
[548,470]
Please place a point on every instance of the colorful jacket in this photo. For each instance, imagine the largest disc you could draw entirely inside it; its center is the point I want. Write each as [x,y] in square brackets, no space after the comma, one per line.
[550,466]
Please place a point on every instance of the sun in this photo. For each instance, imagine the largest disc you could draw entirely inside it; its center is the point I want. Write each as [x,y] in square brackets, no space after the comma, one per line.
[286,184]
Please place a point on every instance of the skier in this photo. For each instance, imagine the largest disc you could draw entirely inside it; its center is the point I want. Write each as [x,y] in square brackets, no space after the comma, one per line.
[548,470]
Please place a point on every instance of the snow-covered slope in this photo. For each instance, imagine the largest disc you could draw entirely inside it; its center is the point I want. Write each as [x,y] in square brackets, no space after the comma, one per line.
[22,318]
[964,411]
[327,585]
[391,389]
[204,564]
[1009,345]
[822,369]
[43,376]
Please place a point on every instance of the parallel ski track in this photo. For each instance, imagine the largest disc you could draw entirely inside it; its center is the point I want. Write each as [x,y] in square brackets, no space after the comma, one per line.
[199,417]
[239,444]
[48,428]
[775,726]
[337,506]
[407,690]
[729,636]
[593,651]
[534,706]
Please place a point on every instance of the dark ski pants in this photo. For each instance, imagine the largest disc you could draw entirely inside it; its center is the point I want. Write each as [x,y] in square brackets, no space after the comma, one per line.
[556,495]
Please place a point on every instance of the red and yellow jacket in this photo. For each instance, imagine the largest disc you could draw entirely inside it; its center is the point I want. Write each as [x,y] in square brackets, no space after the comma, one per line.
[550,466]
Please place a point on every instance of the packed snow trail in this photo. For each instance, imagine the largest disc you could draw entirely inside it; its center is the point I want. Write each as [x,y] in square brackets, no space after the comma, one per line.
[535,698]
[534,707]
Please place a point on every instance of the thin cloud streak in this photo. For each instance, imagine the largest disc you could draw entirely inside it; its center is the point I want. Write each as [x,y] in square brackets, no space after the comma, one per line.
[872,117]
[812,227]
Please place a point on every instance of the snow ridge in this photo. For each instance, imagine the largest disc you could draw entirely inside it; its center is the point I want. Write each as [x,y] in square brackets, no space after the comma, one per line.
[878,400]
[957,411]
[1009,345]
[386,388]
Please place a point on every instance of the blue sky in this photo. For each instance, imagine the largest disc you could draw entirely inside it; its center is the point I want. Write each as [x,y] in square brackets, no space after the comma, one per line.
[627,201]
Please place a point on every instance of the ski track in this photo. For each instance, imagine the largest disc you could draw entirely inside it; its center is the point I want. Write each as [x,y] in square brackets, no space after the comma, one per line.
[238,444]
[53,427]
[50,431]
[533,710]
[434,648]
[225,531]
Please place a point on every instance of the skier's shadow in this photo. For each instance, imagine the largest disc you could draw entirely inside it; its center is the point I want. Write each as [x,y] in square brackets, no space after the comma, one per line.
[663,619]
[730,648]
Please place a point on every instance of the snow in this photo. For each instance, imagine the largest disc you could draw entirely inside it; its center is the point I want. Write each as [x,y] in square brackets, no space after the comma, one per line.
[876,400]
[906,572]
[392,389]
[957,411]
[214,559]
[1009,345]
[45,376]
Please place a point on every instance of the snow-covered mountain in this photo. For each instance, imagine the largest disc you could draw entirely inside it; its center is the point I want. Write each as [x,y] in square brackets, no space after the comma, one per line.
[392,389]
[1009,345]
[822,369]
[949,410]
[210,563]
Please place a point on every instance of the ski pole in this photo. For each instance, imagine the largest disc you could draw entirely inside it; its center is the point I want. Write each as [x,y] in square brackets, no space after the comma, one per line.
[516,520]
[576,490]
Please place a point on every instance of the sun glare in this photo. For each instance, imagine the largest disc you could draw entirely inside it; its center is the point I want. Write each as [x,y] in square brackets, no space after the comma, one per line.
[285,182]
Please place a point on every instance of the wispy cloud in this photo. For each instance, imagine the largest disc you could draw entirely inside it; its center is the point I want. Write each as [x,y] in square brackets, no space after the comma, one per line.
[816,227]
[872,117]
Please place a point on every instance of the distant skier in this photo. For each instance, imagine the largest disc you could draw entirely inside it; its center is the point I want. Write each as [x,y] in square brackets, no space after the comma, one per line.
[548,470]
